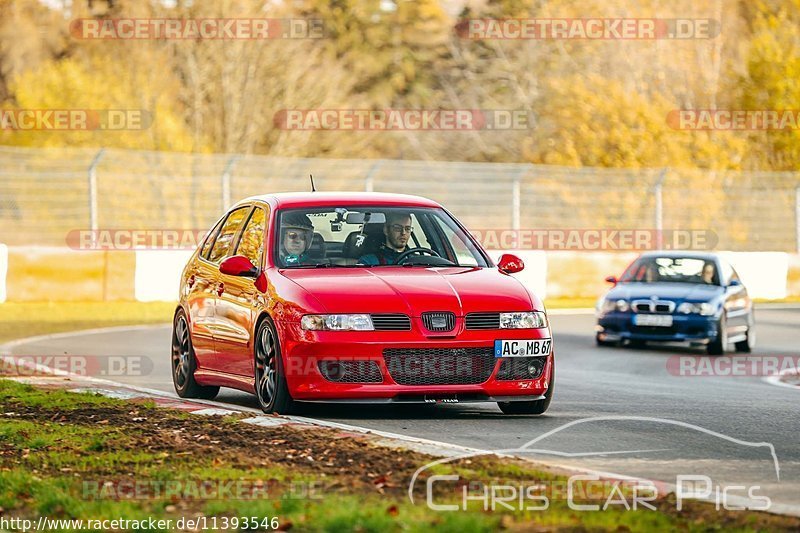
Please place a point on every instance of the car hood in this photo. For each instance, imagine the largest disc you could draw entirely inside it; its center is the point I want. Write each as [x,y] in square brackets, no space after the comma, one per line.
[414,290]
[693,292]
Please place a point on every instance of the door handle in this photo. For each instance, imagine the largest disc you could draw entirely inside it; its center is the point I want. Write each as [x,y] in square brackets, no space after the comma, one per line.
[220,289]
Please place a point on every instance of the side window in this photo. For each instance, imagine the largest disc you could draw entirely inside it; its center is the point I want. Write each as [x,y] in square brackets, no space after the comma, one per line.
[210,240]
[461,249]
[251,244]
[222,244]
[727,272]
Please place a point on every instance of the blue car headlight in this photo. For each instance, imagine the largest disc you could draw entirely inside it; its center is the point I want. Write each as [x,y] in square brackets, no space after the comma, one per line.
[696,308]
[615,305]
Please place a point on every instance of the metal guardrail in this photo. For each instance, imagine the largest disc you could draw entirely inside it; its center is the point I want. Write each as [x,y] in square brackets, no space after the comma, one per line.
[46,193]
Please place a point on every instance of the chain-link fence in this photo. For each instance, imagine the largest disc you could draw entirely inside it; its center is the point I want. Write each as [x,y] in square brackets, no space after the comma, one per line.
[46,193]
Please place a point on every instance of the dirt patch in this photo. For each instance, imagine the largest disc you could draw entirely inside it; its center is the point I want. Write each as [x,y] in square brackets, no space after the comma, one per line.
[238,445]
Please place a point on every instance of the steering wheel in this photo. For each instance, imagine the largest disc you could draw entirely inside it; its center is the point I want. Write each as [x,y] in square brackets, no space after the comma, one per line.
[419,250]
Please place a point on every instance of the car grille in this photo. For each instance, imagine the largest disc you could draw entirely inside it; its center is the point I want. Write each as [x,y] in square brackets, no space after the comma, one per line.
[439,366]
[351,371]
[439,321]
[391,322]
[516,368]
[483,321]
[653,306]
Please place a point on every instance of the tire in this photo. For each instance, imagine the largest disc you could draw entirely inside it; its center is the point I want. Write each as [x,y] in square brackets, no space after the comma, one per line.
[536,407]
[720,342]
[749,344]
[184,363]
[269,379]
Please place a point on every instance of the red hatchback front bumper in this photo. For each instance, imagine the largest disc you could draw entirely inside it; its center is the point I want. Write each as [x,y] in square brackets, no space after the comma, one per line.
[406,366]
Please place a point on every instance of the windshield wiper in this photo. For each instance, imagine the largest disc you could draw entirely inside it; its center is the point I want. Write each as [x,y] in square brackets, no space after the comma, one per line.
[316,265]
[408,265]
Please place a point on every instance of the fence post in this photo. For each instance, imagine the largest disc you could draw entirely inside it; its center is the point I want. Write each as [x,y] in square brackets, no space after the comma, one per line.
[92,175]
[369,179]
[797,217]
[226,182]
[516,195]
[659,194]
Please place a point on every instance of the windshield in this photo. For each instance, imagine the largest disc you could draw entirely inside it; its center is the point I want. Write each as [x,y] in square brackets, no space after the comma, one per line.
[672,269]
[353,236]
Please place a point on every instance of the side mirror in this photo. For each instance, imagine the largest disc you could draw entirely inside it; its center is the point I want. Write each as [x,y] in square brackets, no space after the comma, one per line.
[612,279]
[510,264]
[735,283]
[238,265]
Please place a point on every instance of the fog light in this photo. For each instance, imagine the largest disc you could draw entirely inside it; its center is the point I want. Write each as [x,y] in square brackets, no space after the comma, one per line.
[333,370]
[535,367]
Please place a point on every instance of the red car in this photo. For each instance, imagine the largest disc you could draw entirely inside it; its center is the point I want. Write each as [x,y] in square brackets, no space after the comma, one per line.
[357,297]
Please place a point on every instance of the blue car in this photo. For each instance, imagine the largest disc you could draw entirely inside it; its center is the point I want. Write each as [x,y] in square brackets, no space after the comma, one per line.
[689,297]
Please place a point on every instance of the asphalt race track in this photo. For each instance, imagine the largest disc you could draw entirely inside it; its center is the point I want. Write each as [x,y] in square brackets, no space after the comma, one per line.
[591,382]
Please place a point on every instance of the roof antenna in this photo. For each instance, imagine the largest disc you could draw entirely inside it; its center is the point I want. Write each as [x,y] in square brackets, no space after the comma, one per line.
[313,189]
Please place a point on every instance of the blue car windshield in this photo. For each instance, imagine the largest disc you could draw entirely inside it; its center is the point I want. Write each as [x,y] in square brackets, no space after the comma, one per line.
[672,269]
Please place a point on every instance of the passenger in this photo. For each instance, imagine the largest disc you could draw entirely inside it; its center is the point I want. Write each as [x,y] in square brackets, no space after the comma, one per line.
[297,232]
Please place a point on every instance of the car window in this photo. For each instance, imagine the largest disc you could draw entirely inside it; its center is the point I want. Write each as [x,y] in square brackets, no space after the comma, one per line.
[224,240]
[209,242]
[463,248]
[672,269]
[349,235]
[251,243]
[727,271]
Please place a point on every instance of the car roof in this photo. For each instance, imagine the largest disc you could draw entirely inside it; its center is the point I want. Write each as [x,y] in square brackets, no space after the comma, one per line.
[318,199]
[682,253]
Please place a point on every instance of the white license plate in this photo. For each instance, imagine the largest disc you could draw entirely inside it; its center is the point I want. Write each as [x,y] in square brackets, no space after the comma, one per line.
[522,347]
[662,321]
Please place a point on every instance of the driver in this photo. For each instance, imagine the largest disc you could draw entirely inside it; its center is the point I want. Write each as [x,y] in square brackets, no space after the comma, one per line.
[297,232]
[397,230]
[708,273]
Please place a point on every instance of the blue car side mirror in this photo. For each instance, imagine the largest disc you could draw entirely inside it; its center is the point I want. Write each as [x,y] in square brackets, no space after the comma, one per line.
[734,283]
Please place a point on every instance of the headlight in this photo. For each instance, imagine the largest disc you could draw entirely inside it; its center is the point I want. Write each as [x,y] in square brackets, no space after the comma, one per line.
[530,320]
[337,322]
[700,308]
[615,305]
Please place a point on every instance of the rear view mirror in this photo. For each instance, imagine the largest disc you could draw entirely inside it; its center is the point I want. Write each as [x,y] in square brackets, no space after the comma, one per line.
[510,264]
[238,265]
[356,217]
[612,279]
